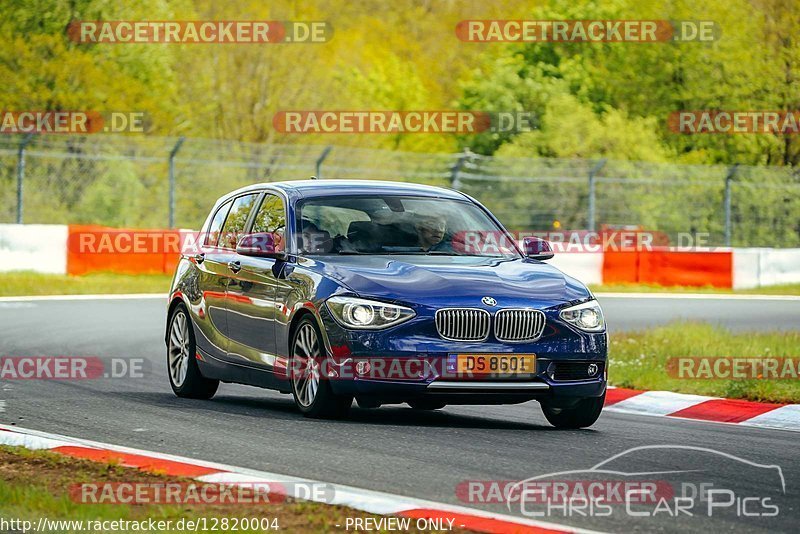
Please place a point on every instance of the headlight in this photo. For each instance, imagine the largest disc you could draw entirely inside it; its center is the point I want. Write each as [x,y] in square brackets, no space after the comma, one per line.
[587,316]
[354,312]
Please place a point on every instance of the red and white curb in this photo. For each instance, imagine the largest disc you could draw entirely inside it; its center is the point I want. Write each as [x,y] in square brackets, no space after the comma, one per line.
[700,408]
[374,502]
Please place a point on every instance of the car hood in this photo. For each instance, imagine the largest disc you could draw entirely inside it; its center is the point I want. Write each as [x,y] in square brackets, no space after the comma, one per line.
[452,280]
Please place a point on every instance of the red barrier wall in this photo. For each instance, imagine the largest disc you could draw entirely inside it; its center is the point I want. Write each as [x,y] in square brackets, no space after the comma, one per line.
[98,248]
[669,268]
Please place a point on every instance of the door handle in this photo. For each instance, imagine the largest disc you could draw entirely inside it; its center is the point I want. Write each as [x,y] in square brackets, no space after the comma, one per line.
[235,266]
[199,258]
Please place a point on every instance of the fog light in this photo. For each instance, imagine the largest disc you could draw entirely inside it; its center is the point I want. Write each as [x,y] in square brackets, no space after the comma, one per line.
[592,369]
[363,367]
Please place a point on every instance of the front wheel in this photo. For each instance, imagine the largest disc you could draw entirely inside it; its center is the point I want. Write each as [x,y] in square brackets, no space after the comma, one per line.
[184,374]
[312,393]
[583,414]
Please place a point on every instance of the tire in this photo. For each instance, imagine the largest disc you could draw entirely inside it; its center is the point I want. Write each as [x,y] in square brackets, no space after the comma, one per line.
[182,370]
[426,404]
[582,415]
[312,393]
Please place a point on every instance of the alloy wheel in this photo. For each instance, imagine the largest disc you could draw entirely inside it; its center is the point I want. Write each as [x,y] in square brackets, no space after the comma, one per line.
[179,349]
[306,366]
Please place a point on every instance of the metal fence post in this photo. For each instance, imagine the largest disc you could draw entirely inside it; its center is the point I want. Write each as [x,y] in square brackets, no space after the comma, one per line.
[593,192]
[172,154]
[455,171]
[320,159]
[727,202]
[21,174]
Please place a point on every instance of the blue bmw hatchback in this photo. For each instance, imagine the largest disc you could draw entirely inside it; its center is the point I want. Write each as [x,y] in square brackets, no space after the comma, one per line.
[385,293]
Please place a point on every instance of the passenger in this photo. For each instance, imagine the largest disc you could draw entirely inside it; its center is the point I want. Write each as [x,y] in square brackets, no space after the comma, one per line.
[315,240]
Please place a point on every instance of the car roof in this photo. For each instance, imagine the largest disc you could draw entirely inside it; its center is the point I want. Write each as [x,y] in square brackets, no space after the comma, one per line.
[321,188]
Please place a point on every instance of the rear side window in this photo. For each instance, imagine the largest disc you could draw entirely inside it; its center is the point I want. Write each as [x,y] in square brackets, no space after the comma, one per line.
[233,228]
[212,235]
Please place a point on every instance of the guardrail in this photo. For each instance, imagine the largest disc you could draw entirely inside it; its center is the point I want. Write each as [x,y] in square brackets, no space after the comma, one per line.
[54,249]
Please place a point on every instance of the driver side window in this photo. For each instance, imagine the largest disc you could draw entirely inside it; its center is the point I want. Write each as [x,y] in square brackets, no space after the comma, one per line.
[271,219]
[237,218]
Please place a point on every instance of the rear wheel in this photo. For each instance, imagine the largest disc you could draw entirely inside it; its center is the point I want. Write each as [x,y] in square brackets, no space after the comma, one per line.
[184,374]
[312,393]
[426,404]
[583,414]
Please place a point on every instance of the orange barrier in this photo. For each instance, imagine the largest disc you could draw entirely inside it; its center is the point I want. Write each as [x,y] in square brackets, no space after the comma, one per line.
[93,248]
[669,268]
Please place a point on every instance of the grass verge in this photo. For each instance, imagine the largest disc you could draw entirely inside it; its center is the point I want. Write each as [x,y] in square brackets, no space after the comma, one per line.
[785,289]
[639,360]
[35,484]
[18,283]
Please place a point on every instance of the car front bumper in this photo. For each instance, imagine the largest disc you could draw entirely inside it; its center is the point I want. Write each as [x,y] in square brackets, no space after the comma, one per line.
[560,345]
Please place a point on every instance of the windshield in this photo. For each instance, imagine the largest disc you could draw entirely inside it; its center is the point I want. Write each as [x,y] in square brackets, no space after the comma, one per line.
[398,225]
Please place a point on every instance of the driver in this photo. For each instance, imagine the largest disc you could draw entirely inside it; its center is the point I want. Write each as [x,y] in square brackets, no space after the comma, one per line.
[430,231]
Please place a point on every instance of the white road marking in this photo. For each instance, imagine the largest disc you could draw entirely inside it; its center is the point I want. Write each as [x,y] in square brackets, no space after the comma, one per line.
[2,406]
[657,403]
[786,417]
[371,501]
[695,296]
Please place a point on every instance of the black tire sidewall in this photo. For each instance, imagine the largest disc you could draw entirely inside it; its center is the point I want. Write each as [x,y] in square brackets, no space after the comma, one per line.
[195,385]
[326,403]
[584,414]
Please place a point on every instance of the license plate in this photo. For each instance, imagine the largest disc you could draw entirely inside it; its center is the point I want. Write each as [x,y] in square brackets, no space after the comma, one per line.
[481,364]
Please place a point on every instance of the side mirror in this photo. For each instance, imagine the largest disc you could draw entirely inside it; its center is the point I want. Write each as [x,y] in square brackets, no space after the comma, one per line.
[261,245]
[537,249]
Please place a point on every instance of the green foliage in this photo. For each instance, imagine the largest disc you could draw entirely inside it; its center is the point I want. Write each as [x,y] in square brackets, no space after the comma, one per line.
[590,99]
[114,199]
[613,99]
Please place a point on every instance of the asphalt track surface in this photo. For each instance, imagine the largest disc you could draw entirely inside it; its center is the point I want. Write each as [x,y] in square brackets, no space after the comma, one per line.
[395,449]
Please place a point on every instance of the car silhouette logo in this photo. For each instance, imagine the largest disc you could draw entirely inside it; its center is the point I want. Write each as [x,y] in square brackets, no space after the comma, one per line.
[489,301]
